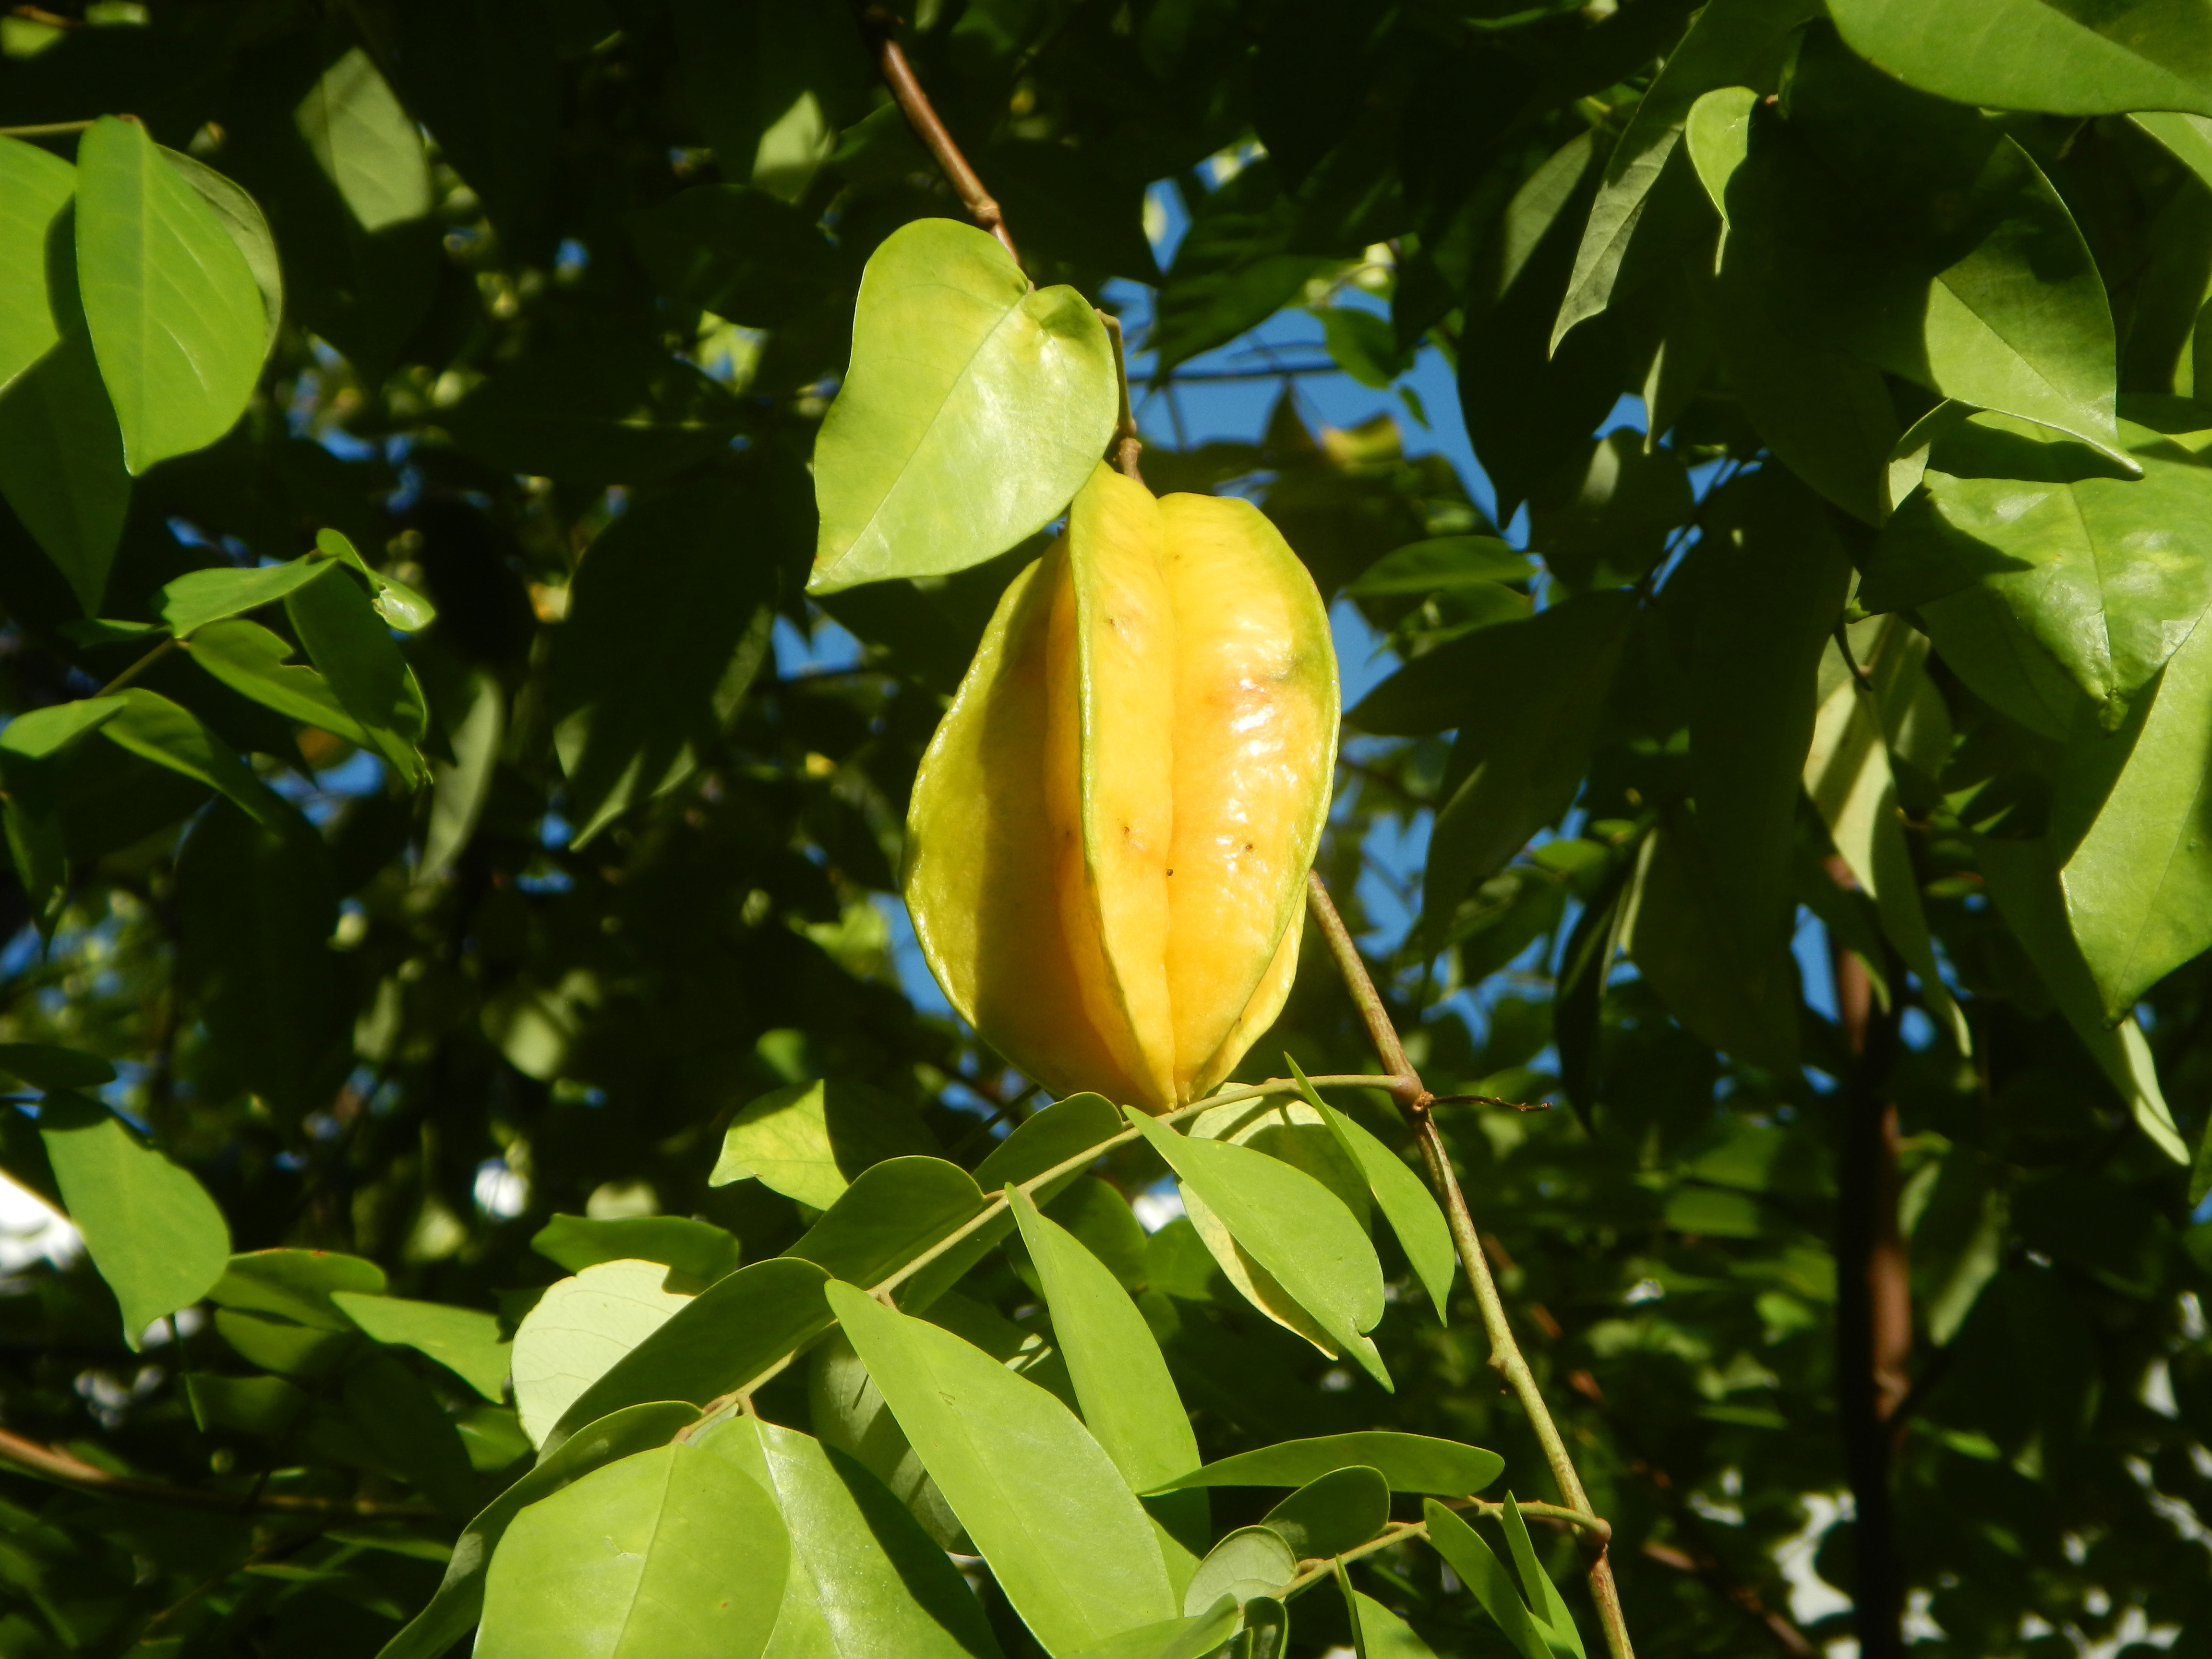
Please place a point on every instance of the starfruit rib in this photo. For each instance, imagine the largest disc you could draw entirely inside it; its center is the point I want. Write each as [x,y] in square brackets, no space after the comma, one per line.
[1111,765]
[1254,758]
[982,876]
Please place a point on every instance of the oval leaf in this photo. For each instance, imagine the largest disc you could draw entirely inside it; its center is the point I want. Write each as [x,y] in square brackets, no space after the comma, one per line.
[149,1227]
[1410,1462]
[1292,1225]
[175,314]
[975,408]
[1070,1547]
[579,1328]
[671,1554]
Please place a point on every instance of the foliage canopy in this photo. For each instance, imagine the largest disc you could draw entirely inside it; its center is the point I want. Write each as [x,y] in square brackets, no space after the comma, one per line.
[455,991]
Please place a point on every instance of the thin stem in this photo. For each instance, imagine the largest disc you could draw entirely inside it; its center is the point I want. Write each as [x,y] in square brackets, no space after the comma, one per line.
[45,129]
[1125,448]
[1396,1533]
[1505,1356]
[921,115]
[137,668]
[55,1464]
[722,1405]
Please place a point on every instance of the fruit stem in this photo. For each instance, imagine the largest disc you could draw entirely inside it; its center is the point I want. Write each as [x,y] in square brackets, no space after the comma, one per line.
[1505,1356]
[1125,448]
[921,115]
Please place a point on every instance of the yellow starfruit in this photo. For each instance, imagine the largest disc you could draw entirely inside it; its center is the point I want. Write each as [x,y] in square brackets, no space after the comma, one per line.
[1110,832]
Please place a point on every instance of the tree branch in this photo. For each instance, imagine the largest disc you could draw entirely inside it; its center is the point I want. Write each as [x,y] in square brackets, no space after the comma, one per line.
[52,1464]
[1505,1356]
[921,115]
[1874,1309]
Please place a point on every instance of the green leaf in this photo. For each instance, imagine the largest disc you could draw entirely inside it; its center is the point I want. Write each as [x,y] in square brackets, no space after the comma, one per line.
[1918,236]
[1339,1511]
[1059,1133]
[281,1345]
[36,186]
[1445,564]
[1609,519]
[1403,1198]
[256,663]
[462,1340]
[1129,1400]
[459,792]
[811,1140]
[2187,137]
[668,625]
[2104,573]
[1728,41]
[579,1328]
[29,744]
[1826,413]
[367,149]
[1734,990]
[150,1228]
[737,252]
[1410,1462]
[406,1433]
[243,221]
[256,907]
[1097,1217]
[893,1212]
[1718,134]
[297,1285]
[356,651]
[1364,345]
[864,1579]
[1768,588]
[1524,737]
[1545,1604]
[1252,1561]
[673,1553]
[1194,1638]
[1293,1227]
[43,1066]
[200,597]
[1527,408]
[1481,1571]
[2023,881]
[149,726]
[1849,779]
[596,414]
[726,1337]
[1069,1544]
[2055,55]
[1381,1634]
[453,1609]
[2132,814]
[975,408]
[175,314]
[396,603]
[696,1252]
[61,463]
[1234,267]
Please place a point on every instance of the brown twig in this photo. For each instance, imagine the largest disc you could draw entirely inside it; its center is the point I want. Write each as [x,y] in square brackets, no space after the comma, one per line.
[1505,1356]
[921,115]
[52,1463]
[1874,1307]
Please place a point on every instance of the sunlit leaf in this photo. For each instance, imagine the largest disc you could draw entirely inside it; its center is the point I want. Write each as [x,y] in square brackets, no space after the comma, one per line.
[975,408]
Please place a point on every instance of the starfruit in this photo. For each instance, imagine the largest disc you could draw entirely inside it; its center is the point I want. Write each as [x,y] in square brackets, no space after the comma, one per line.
[1110,832]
